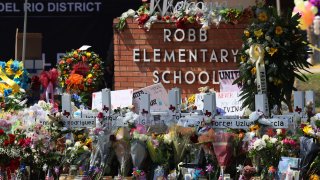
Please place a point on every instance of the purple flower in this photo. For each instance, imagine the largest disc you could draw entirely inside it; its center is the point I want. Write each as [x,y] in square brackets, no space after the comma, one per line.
[209,168]
[56,170]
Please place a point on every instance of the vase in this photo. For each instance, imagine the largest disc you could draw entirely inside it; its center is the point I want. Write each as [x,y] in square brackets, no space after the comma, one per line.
[256,163]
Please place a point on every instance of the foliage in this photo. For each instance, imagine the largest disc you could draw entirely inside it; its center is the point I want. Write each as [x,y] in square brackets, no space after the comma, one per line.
[285,55]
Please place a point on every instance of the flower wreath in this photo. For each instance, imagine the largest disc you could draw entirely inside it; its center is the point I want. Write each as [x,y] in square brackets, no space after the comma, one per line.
[80,71]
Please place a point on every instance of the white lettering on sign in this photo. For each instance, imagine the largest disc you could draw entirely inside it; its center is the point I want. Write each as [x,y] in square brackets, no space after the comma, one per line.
[184,55]
[188,77]
[51,7]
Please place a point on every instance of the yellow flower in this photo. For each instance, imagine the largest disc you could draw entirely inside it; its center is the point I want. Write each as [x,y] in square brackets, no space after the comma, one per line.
[307,129]
[272,51]
[243,58]
[9,71]
[192,98]
[18,73]
[279,30]
[89,76]
[253,71]
[258,33]
[254,127]
[88,54]
[246,33]
[263,16]
[277,82]
[88,141]
[314,177]
[8,64]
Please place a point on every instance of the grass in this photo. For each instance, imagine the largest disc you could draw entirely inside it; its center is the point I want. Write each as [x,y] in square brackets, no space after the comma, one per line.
[312,84]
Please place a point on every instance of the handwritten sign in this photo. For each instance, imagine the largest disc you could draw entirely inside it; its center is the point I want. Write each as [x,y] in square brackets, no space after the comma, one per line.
[226,78]
[158,98]
[228,103]
[119,98]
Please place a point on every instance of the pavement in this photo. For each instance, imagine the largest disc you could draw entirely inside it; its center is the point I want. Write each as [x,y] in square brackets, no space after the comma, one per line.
[315,68]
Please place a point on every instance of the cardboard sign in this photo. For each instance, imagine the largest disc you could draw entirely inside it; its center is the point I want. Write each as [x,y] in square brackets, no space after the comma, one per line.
[119,98]
[226,78]
[158,98]
[228,103]
[79,123]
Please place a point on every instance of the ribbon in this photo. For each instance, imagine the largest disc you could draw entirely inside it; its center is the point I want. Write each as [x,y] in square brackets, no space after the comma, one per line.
[48,80]
[11,84]
[256,53]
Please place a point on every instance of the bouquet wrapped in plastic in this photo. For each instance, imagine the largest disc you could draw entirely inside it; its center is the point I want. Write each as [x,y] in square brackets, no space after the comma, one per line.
[223,149]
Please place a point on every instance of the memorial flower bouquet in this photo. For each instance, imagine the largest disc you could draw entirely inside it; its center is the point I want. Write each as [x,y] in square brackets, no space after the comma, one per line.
[80,72]
[12,151]
[284,53]
[261,152]
[14,81]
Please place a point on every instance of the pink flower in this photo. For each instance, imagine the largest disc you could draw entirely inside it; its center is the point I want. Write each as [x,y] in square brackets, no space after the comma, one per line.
[209,168]
[155,143]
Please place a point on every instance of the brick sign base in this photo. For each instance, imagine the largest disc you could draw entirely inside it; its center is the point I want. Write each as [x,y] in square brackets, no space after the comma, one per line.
[134,47]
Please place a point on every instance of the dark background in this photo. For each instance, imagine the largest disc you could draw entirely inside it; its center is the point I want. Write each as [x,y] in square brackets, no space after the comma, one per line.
[62,32]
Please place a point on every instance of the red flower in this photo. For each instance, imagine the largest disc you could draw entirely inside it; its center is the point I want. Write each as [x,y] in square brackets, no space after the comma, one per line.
[181,23]
[270,132]
[69,60]
[12,137]
[1,131]
[89,81]
[100,115]
[143,19]
[96,66]
[21,142]
[6,142]
[84,59]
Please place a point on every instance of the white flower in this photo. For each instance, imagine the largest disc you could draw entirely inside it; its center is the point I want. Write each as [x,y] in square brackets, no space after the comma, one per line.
[77,144]
[143,137]
[265,137]
[259,144]
[131,12]
[247,51]
[42,103]
[167,138]
[273,140]
[249,40]
[279,131]
[85,148]
[124,15]
[268,38]
[44,168]
[136,135]
[68,142]
[267,49]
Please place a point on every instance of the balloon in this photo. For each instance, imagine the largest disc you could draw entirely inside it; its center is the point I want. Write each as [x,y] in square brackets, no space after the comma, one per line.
[314,10]
[307,12]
